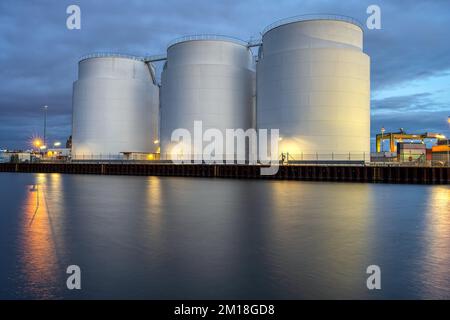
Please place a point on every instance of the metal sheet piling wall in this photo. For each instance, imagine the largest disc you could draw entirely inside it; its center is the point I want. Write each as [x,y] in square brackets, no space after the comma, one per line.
[375,174]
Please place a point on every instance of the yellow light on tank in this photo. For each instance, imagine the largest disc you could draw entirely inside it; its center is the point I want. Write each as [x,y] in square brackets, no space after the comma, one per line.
[290,146]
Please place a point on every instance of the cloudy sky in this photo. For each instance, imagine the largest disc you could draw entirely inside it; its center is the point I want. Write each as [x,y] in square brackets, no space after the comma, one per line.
[410,55]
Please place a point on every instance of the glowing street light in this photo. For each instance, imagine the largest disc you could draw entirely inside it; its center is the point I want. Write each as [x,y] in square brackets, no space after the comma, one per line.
[156,141]
[57,144]
[37,143]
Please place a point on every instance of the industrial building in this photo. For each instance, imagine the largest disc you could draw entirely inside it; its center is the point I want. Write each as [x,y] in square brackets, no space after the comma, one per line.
[15,156]
[312,82]
[411,147]
[441,151]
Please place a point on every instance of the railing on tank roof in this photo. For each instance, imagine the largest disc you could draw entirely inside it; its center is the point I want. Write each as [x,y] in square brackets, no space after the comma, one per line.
[307,17]
[110,54]
[207,37]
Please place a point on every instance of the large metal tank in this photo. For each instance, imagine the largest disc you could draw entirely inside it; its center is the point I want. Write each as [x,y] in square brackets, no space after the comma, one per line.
[209,79]
[115,107]
[313,84]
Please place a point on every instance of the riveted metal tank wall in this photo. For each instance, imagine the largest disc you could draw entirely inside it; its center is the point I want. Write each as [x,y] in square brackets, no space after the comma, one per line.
[313,84]
[209,80]
[115,108]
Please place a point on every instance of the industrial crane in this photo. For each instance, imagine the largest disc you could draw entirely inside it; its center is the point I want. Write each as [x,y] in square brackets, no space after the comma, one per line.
[402,135]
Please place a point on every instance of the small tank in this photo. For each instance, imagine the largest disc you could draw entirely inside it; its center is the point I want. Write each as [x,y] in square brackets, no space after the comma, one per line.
[115,107]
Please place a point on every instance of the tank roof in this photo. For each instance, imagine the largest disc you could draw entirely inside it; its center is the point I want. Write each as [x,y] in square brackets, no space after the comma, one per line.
[110,55]
[207,37]
[312,17]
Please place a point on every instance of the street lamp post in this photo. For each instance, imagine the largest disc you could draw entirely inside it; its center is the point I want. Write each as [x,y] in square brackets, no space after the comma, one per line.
[45,125]
[448,143]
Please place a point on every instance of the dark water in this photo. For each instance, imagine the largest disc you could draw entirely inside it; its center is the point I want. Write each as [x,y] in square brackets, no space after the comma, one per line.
[181,238]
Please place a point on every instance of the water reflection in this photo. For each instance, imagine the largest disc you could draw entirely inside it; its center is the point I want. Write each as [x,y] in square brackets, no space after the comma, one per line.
[436,261]
[182,238]
[204,245]
[154,201]
[38,246]
[331,259]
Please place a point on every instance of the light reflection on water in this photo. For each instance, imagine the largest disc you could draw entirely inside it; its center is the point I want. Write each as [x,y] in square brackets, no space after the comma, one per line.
[336,259]
[38,240]
[152,237]
[436,263]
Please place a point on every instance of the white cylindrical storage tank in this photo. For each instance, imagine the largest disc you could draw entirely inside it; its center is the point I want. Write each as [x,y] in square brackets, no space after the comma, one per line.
[313,84]
[115,108]
[208,79]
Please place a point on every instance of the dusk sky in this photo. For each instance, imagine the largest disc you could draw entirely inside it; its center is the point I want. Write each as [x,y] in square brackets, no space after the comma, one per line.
[410,55]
